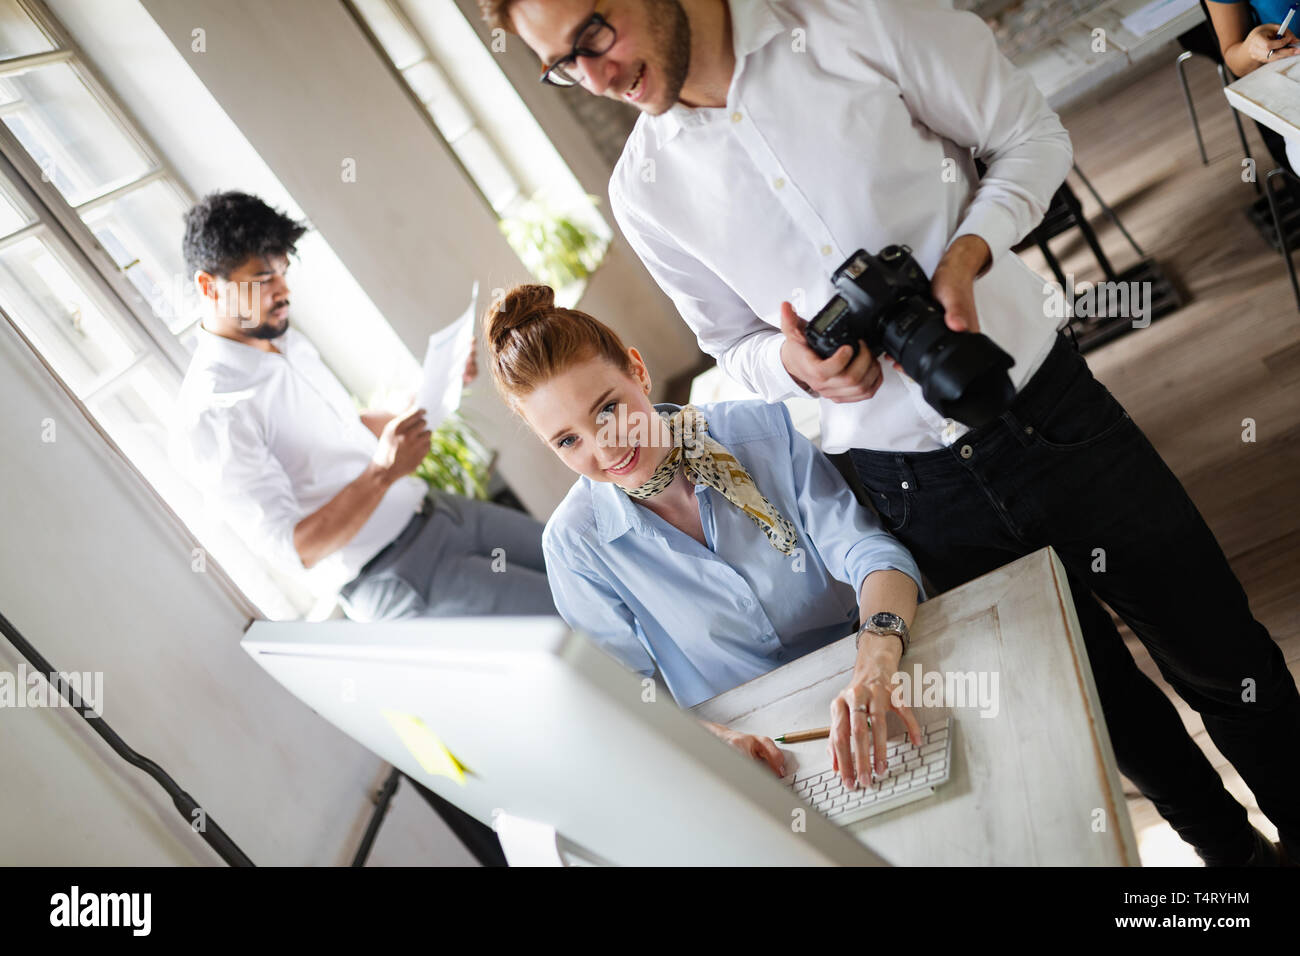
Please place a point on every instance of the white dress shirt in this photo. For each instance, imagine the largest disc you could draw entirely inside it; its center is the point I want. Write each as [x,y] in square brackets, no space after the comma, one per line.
[271,438]
[849,124]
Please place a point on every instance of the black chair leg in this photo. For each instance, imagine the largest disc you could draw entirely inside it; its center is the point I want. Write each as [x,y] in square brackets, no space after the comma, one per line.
[480,839]
[1241,130]
[1191,110]
[1281,226]
[1110,213]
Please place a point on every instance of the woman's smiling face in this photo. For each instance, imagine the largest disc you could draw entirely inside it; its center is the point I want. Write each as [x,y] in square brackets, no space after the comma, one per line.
[599,420]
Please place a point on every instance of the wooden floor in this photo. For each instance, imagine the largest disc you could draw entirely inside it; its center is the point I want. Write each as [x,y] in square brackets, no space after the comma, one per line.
[1191,378]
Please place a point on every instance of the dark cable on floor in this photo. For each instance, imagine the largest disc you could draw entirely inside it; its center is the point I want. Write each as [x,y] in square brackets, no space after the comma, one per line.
[185,804]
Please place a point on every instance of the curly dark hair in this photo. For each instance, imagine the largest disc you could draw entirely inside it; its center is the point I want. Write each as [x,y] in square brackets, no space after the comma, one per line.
[496,14]
[224,229]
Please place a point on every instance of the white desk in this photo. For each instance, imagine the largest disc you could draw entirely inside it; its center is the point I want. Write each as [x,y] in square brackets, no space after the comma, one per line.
[1067,67]
[1034,785]
[1270,94]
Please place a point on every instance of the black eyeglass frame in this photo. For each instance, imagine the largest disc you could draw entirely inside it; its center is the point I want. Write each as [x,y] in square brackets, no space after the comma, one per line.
[548,74]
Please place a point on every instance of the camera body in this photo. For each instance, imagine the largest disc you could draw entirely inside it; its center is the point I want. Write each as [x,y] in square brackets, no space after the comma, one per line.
[885,301]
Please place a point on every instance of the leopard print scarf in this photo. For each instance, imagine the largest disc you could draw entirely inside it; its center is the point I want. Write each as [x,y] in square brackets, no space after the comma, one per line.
[707,461]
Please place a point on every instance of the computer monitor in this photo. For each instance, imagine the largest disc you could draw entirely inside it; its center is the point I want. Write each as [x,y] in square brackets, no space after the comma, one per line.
[550,729]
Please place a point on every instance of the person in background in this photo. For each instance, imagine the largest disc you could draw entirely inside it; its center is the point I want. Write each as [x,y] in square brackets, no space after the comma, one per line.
[707,545]
[274,441]
[1246,46]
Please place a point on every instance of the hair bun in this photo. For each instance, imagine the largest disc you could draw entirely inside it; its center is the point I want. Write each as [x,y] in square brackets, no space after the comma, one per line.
[520,305]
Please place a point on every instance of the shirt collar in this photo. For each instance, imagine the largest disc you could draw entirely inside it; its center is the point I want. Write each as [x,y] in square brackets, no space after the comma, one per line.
[616,513]
[753,23]
[212,349]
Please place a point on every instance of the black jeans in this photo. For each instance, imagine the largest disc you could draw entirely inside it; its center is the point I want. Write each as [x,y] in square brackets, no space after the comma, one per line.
[1066,466]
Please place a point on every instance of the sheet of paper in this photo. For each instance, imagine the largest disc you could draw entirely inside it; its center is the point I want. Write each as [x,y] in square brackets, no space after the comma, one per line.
[425,747]
[1155,15]
[444,365]
[526,842]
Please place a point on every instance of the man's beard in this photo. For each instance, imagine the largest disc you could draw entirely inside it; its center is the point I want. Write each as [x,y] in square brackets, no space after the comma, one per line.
[670,36]
[267,330]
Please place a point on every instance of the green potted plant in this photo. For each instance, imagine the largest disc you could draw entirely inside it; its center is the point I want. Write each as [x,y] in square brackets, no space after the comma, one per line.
[558,247]
[457,462]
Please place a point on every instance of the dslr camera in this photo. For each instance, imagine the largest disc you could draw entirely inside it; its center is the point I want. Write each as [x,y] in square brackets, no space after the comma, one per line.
[885,301]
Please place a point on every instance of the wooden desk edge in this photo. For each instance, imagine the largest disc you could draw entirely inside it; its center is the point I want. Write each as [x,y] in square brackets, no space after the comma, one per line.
[1116,806]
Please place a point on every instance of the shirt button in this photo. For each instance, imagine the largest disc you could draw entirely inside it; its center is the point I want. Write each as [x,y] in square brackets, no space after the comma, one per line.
[737,116]
[826,250]
[778,183]
[906,486]
[967,451]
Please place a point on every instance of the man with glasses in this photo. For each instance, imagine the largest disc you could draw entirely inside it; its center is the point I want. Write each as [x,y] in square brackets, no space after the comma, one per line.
[777,138]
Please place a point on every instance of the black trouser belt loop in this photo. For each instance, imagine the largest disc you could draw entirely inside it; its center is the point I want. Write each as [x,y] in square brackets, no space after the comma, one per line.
[1016,426]
[906,477]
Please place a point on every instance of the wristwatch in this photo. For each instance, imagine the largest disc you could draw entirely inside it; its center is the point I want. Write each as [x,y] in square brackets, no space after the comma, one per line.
[883,622]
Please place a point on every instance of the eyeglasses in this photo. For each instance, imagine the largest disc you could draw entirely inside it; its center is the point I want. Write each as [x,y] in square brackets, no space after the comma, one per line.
[595,37]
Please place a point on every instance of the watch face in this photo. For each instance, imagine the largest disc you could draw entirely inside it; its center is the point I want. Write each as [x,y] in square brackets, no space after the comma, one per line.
[885,619]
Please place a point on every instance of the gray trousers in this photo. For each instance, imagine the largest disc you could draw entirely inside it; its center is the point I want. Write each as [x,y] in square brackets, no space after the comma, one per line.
[458,557]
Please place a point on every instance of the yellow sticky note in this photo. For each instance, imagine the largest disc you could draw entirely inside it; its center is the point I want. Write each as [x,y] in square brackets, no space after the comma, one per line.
[425,746]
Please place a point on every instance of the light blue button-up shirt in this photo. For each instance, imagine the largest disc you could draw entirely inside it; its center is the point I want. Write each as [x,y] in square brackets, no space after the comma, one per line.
[710,618]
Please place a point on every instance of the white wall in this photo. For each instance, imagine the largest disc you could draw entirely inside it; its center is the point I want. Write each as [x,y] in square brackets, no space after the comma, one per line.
[92,575]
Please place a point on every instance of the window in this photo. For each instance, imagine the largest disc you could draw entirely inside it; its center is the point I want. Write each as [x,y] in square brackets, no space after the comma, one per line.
[545,214]
[92,277]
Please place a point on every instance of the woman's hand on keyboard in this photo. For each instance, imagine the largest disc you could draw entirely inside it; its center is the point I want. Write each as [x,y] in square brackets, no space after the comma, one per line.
[853,737]
[761,748]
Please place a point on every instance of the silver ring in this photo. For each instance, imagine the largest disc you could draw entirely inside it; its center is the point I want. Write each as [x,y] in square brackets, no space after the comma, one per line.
[865,710]
[1269,54]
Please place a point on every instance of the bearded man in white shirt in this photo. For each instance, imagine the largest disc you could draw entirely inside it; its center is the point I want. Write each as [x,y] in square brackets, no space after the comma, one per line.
[777,137]
[276,444]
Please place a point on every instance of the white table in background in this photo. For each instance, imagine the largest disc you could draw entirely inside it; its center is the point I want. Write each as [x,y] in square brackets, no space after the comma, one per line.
[1067,67]
[1270,94]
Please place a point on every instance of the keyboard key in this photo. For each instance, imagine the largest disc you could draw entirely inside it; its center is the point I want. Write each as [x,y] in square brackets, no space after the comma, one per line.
[911,773]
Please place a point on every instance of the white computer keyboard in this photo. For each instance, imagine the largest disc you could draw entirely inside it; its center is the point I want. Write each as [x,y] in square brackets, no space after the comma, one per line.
[911,774]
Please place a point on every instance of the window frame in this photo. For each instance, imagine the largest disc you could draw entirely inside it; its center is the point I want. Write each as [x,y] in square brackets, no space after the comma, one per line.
[72,241]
